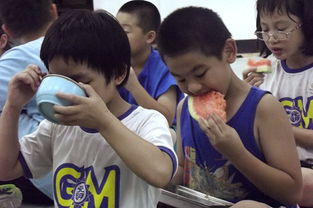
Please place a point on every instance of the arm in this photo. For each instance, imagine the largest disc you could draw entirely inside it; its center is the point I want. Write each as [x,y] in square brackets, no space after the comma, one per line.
[10,168]
[279,178]
[304,137]
[178,177]
[165,103]
[21,89]
[145,159]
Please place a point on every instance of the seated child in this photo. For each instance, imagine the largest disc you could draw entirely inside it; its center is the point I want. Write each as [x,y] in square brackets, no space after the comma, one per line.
[285,34]
[150,84]
[129,154]
[250,156]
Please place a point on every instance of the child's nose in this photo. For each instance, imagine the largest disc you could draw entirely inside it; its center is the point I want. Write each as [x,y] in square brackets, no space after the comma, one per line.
[194,87]
[272,38]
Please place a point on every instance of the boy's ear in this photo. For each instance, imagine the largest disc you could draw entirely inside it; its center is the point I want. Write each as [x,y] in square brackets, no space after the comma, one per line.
[230,50]
[151,36]
[120,79]
[8,31]
[3,41]
[54,11]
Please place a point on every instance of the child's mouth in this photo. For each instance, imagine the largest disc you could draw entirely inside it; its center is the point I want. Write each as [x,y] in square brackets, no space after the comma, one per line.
[276,51]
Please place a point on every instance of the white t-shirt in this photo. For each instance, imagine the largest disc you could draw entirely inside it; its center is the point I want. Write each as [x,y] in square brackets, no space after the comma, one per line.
[87,171]
[294,89]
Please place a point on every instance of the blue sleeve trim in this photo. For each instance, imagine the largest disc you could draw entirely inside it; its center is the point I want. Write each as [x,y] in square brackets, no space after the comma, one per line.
[22,160]
[172,156]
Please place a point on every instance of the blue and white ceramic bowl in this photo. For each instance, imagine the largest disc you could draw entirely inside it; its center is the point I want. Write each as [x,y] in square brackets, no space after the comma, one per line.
[50,85]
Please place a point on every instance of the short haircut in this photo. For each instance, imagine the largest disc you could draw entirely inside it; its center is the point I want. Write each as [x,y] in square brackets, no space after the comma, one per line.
[91,37]
[192,29]
[147,14]
[303,9]
[25,17]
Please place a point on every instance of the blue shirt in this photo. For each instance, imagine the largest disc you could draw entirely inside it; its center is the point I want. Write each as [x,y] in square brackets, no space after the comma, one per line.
[155,78]
[11,62]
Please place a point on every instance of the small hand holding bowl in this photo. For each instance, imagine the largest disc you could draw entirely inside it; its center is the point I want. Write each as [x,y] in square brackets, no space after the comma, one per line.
[46,94]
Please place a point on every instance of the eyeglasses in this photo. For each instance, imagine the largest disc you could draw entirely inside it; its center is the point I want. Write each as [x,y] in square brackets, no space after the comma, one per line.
[277,35]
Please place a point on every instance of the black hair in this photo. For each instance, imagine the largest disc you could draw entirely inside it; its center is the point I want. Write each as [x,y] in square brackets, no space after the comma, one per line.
[147,14]
[303,9]
[92,37]
[192,28]
[25,17]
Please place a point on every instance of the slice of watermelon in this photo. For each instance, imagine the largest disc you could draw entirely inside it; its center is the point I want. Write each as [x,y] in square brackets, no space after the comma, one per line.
[262,65]
[206,104]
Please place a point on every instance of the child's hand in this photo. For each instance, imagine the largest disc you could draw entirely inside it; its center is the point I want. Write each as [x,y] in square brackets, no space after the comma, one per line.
[132,81]
[224,138]
[86,111]
[252,77]
[23,86]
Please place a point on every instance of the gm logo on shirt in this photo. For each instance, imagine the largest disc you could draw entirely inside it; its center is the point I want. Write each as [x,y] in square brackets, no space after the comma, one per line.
[77,187]
[300,113]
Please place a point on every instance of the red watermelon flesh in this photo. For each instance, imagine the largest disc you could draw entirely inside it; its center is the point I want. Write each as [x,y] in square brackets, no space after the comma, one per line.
[262,65]
[206,104]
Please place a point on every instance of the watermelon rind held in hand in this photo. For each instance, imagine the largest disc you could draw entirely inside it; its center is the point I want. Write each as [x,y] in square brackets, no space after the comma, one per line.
[261,65]
[206,104]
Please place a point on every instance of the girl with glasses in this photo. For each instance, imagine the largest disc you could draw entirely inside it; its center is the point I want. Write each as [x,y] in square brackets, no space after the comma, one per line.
[285,33]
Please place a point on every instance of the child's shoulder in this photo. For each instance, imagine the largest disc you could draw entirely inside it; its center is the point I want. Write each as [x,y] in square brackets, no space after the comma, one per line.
[141,114]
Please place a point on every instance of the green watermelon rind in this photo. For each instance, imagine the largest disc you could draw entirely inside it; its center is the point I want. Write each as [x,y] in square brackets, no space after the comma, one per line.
[191,109]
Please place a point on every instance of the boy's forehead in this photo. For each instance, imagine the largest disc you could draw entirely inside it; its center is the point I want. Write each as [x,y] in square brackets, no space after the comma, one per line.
[127,18]
[186,63]
[67,67]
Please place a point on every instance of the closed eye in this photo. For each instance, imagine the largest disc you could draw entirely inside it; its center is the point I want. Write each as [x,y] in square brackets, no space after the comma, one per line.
[200,75]
[180,80]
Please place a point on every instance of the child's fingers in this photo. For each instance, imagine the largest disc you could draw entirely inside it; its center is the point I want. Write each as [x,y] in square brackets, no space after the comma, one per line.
[65,110]
[74,99]
[34,77]
[246,72]
[88,89]
[208,128]
[254,78]
[218,122]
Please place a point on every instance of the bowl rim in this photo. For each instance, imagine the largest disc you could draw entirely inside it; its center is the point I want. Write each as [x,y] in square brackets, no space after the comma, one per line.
[62,76]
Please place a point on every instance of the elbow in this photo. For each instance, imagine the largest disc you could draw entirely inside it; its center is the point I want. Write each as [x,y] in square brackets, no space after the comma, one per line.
[170,119]
[9,172]
[161,181]
[161,178]
[169,116]
[295,195]
[6,175]
[294,199]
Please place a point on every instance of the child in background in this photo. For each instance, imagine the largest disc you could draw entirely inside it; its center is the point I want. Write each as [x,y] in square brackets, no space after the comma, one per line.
[130,155]
[285,30]
[150,84]
[251,156]
[26,22]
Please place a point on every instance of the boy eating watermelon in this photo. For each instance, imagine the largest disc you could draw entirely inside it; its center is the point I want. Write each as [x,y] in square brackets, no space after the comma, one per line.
[249,155]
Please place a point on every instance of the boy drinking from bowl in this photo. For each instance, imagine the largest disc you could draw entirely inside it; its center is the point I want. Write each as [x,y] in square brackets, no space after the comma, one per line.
[131,148]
